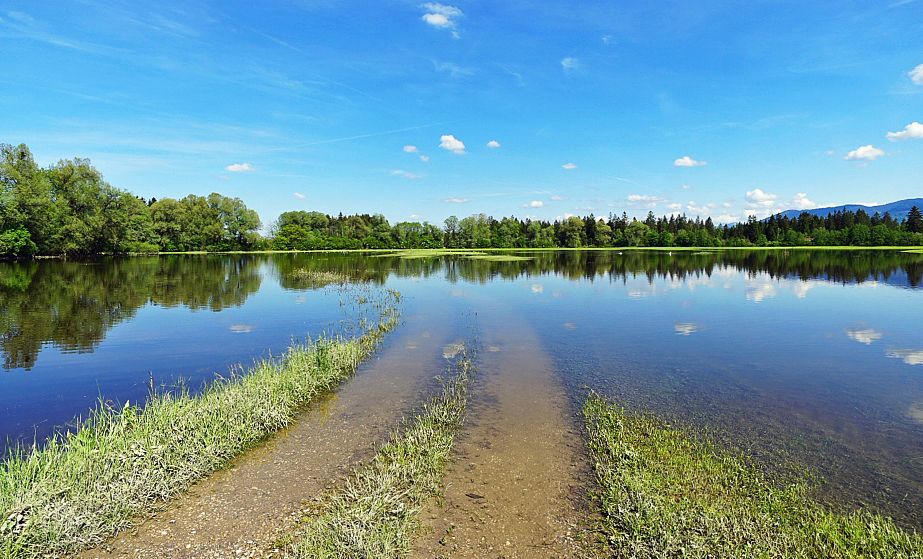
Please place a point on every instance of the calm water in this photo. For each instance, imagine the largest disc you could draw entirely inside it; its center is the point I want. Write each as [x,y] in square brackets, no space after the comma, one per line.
[802,360]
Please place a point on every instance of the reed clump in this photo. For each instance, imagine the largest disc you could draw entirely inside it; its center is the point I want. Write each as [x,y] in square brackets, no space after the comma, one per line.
[374,514]
[318,278]
[79,489]
[665,494]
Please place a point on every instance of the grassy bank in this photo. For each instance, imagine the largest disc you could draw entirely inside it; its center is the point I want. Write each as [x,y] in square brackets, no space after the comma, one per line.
[664,494]
[77,490]
[374,514]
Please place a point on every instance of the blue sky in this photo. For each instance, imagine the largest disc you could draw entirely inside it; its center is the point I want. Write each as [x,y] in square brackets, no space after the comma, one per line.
[420,111]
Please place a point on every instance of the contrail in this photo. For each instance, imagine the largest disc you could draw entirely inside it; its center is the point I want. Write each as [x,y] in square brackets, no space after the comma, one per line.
[370,135]
[636,184]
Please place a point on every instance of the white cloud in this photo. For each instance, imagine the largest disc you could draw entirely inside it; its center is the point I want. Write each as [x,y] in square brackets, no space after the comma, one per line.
[406,174]
[829,152]
[454,200]
[800,202]
[536,204]
[414,216]
[863,335]
[568,166]
[916,75]
[914,130]
[687,161]
[865,152]
[424,158]
[644,202]
[239,168]
[756,198]
[493,144]
[909,356]
[557,198]
[449,142]
[410,149]
[438,20]
[439,15]
[674,207]
[570,63]
[686,187]
[298,195]
[728,218]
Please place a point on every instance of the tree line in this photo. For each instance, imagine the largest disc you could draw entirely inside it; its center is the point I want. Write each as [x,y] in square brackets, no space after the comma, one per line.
[68,209]
[306,230]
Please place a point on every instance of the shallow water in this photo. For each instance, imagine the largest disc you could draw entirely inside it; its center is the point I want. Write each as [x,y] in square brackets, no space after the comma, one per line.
[801,359]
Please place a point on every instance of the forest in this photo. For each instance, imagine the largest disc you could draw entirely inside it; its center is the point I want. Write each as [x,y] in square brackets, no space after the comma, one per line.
[68,209]
[302,230]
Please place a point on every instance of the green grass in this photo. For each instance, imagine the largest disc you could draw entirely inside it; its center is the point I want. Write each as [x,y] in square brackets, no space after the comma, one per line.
[77,490]
[374,514]
[317,278]
[665,494]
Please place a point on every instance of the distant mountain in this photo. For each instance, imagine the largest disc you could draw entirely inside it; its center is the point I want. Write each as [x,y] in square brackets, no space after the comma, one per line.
[898,210]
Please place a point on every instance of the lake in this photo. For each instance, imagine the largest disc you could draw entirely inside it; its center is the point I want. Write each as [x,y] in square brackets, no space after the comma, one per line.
[809,362]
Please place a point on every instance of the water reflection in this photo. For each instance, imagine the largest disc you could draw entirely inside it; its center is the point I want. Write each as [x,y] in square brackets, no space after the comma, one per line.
[71,305]
[908,356]
[863,335]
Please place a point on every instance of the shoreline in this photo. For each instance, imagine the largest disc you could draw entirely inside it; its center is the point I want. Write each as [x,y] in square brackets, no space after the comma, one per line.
[82,488]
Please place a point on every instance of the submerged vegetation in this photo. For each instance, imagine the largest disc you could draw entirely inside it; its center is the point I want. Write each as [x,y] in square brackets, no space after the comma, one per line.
[78,489]
[665,494]
[374,514]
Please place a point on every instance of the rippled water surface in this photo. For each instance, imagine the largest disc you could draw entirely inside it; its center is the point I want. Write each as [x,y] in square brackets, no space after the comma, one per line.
[806,361]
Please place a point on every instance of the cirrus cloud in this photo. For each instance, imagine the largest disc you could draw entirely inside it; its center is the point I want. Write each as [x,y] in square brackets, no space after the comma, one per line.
[687,161]
[239,168]
[914,130]
[448,141]
[869,153]
[454,200]
[569,64]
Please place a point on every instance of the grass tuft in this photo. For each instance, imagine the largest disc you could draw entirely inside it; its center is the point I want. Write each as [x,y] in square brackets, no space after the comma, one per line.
[79,489]
[664,494]
[375,513]
[318,278]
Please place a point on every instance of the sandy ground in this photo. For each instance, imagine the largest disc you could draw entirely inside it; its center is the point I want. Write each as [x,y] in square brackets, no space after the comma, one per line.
[513,489]
[241,511]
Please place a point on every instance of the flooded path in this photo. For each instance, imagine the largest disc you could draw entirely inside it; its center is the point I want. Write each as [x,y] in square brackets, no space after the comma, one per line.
[241,511]
[514,487]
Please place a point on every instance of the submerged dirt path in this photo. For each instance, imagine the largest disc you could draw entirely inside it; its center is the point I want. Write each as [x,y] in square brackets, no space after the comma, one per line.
[514,487]
[241,511]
